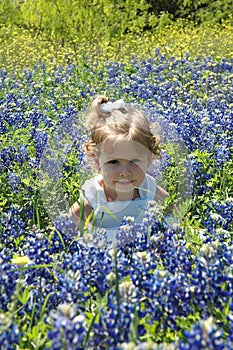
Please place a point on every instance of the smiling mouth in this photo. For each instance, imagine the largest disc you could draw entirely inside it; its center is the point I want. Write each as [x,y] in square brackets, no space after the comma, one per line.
[125,182]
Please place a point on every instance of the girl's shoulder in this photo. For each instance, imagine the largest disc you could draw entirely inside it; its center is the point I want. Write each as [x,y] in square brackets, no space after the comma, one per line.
[92,182]
[158,192]
[92,190]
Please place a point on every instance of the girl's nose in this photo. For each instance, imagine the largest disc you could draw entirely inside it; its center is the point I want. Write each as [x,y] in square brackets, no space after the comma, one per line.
[124,170]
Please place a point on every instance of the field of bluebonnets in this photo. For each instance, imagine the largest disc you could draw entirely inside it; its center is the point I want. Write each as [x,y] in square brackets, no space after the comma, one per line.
[172,286]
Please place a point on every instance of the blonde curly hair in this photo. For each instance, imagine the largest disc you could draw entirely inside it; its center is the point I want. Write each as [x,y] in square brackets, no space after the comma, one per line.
[123,123]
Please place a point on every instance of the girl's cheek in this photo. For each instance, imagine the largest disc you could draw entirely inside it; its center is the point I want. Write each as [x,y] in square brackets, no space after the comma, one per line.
[109,171]
[139,167]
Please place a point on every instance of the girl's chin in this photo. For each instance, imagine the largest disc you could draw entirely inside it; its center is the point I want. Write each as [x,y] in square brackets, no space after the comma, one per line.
[122,193]
[124,186]
[124,183]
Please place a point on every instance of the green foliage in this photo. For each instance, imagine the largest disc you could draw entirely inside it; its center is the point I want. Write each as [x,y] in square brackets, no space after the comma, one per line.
[94,20]
[9,12]
[210,11]
[65,20]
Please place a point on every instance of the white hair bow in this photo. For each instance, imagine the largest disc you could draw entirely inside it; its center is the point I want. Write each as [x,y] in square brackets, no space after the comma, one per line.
[110,106]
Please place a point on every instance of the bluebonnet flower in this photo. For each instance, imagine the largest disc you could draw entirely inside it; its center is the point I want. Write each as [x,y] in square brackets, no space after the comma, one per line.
[7,157]
[67,227]
[201,176]
[126,232]
[40,138]
[13,227]
[69,328]
[204,335]
[23,150]
[9,333]
[14,182]
[8,279]
[229,339]
[114,323]
[219,215]
[44,277]
[209,277]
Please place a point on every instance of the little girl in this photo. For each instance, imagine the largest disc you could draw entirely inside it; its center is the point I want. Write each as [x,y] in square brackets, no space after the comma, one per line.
[121,147]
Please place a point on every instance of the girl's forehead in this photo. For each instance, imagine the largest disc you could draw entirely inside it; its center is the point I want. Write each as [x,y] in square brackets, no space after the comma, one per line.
[125,149]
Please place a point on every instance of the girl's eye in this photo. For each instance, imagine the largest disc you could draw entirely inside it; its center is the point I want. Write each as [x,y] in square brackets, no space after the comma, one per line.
[113,161]
[135,160]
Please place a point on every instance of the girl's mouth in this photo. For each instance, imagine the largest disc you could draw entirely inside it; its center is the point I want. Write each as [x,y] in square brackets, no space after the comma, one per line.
[125,182]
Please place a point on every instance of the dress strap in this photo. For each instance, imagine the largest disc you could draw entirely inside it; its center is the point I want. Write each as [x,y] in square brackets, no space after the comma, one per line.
[94,192]
[147,189]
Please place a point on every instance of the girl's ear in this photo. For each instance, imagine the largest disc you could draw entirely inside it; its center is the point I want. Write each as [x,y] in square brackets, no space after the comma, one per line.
[96,161]
[149,159]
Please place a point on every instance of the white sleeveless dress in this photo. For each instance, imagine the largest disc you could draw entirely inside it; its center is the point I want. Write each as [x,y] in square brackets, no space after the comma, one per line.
[109,215]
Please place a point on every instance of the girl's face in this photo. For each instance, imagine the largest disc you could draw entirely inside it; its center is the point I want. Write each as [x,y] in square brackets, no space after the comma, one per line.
[123,164]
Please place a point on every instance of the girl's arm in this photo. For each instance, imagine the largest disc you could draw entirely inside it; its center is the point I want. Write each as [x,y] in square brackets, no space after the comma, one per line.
[74,211]
[160,196]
